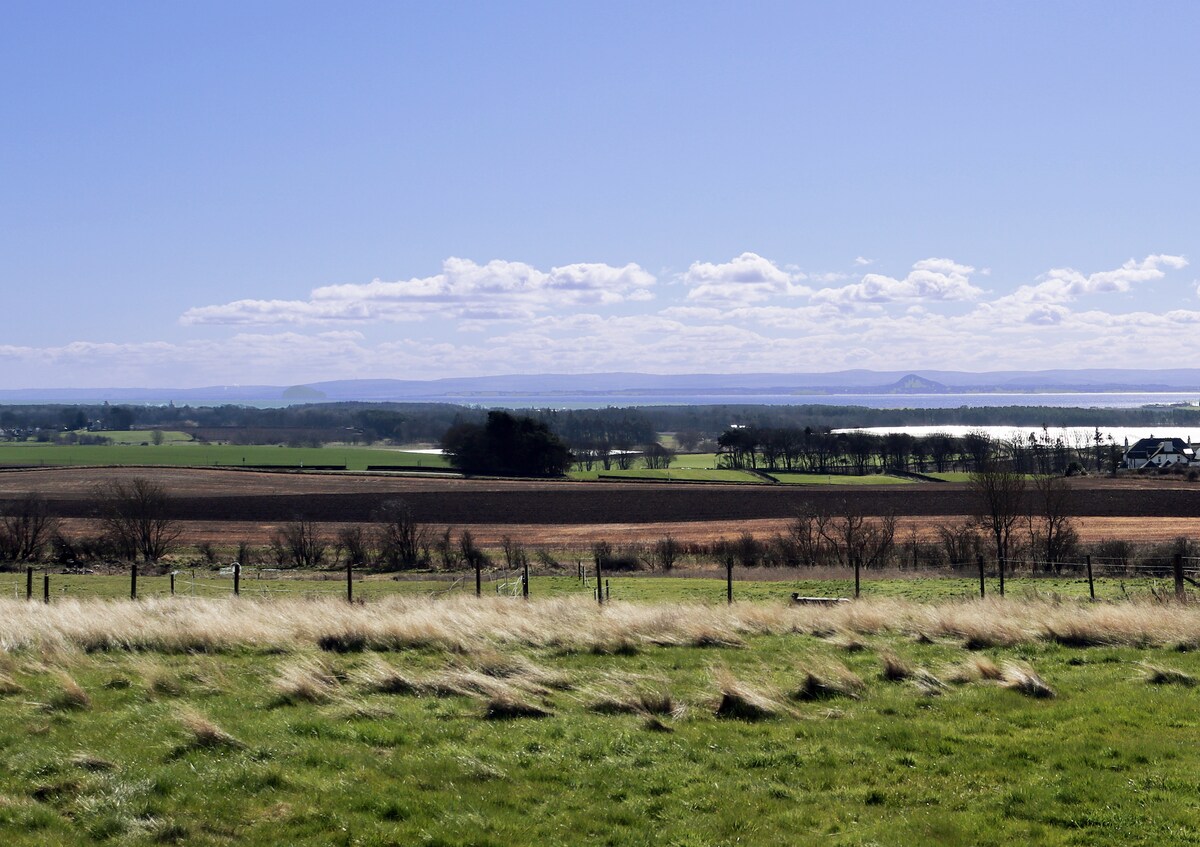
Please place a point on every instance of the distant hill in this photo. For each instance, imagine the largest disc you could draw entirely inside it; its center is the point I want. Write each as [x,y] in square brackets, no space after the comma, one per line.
[634,388]
[913,384]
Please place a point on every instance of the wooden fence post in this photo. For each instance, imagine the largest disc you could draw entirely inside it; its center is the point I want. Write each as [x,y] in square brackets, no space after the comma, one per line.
[982,584]
[1091,583]
[857,584]
[237,578]
[349,582]
[172,583]
[45,588]
[29,583]
[607,591]
[133,581]
[1001,562]
[478,577]
[1180,595]
[525,577]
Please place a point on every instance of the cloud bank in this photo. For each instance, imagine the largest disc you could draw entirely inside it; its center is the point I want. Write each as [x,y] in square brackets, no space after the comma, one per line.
[747,313]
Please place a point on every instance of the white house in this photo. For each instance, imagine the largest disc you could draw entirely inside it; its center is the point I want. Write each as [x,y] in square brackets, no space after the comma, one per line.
[1159,452]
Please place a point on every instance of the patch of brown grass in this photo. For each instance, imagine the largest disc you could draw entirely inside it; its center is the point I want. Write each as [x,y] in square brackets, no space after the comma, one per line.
[1157,675]
[973,669]
[893,668]
[69,695]
[306,681]
[467,626]
[824,680]
[90,762]
[739,700]
[379,677]
[506,703]
[203,734]
[1023,679]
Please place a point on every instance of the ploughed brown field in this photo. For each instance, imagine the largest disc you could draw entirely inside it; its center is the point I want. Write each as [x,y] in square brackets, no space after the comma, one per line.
[228,504]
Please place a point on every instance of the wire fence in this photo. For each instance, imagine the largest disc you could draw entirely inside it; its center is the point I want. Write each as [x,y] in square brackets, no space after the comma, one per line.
[1095,577]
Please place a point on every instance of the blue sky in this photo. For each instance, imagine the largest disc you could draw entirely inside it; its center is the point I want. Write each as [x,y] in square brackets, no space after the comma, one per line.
[209,193]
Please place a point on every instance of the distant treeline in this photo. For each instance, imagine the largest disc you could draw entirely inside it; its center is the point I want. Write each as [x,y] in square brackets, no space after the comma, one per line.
[617,427]
[712,420]
[822,451]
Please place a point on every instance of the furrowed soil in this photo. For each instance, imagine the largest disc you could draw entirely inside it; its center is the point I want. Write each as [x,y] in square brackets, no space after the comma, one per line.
[217,504]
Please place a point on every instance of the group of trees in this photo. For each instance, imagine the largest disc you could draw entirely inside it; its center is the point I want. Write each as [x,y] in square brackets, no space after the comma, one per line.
[822,451]
[506,445]
[134,515]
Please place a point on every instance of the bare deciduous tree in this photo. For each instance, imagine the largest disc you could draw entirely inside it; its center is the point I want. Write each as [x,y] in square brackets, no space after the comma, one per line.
[26,527]
[403,543]
[806,542]
[137,518]
[356,544]
[448,552]
[1051,532]
[857,540]
[999,501]
[472,554]
[663,554]
[302,542]
[515,556]
[657,457]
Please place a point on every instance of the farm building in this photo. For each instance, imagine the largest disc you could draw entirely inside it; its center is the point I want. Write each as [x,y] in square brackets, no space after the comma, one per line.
[1159,452]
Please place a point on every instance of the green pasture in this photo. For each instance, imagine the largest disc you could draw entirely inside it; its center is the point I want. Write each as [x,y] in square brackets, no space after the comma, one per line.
[146,748]
[210,455]
[140,436]
[839,479]
[757,585]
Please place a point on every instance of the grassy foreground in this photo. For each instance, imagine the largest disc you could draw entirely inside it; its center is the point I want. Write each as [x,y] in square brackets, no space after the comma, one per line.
[553,722]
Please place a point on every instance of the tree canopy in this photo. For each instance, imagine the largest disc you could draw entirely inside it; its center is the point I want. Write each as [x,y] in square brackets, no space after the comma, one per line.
[507,446]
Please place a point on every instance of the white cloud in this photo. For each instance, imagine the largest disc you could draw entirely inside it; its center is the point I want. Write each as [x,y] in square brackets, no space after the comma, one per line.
[929,280]
[496,291]
[1059,286]
[748,278]
[863,261]
[732,317]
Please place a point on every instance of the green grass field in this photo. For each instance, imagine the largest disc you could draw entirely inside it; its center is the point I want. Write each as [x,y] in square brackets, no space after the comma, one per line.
[756,729]
[761,585]
[839,479]
[211,455]
[141,436]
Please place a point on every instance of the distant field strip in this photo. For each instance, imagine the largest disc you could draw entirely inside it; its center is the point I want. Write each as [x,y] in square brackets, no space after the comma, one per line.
[215,455]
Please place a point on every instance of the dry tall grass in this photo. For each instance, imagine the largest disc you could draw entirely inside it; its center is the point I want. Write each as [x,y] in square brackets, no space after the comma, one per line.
[468,625]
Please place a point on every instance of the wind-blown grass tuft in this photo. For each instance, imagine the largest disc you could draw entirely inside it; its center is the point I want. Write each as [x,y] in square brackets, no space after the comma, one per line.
[1025,680]
[69,695]
[1157,675]
[974,669]
[894,668]
[742,701]
[306,681]
[508,703]
[203,734]
[826,680]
